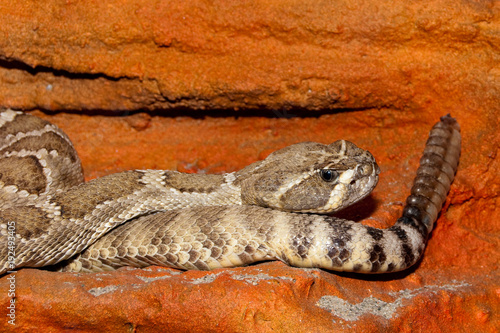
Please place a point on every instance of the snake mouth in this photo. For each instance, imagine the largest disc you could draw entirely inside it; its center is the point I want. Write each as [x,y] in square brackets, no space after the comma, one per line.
[362,188]
[362,183]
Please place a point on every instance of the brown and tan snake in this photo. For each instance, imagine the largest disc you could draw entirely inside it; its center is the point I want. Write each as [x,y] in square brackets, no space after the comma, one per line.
[273,209]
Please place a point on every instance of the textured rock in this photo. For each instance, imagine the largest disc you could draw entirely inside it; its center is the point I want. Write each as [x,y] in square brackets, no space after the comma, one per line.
[454,288]
[264,298]
[404,64]
[135,54]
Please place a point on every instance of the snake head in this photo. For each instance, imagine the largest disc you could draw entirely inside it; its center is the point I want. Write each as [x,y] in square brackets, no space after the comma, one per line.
[310,177]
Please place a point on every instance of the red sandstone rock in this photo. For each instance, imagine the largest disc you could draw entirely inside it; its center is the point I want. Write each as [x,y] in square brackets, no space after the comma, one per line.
[263,298]
[135,54]
[454,288]
[404,63]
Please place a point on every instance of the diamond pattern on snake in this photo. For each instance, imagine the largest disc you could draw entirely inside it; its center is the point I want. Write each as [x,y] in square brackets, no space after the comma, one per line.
[274,209]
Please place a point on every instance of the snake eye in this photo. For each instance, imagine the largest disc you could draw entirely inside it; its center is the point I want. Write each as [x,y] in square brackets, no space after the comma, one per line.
[329,175]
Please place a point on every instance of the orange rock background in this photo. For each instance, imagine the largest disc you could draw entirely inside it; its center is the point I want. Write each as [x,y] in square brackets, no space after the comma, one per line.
[213,87]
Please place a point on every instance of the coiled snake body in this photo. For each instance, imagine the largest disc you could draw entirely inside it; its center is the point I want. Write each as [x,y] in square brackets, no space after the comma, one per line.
[269,210]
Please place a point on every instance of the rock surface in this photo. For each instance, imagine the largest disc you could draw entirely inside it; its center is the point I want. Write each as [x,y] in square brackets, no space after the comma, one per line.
[454,288]
[135,54]
[397,67]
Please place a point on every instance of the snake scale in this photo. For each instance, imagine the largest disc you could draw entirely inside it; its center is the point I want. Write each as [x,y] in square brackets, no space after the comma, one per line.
[274,209]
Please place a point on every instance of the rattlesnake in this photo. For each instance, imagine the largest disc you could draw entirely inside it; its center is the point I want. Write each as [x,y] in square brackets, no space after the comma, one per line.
[269,210]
